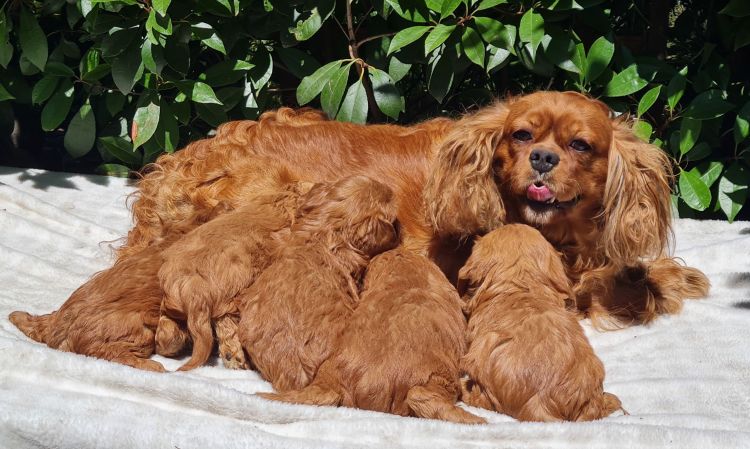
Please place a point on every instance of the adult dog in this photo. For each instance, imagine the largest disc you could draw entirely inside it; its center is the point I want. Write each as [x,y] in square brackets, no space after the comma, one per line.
[553,160]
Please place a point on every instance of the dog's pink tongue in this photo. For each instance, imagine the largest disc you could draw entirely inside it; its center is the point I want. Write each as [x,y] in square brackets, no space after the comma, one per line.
[537,193]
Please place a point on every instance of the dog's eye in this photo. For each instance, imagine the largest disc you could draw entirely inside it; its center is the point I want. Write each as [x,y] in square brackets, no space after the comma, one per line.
[522,135]
[580,145]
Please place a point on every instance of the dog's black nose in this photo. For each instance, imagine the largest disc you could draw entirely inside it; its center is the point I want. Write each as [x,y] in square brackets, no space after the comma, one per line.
[543,160]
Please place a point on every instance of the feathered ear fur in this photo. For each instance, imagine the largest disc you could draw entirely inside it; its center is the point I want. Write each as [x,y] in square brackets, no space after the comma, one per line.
[461,196]
[637,209]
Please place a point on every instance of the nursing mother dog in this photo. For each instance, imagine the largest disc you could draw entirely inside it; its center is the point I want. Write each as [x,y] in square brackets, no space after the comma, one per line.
[556,161]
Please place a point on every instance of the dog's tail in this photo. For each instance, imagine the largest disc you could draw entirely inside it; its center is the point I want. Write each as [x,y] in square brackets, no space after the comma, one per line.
[312,395]
[601,407]
[35,327]
[433,401]
[199,325]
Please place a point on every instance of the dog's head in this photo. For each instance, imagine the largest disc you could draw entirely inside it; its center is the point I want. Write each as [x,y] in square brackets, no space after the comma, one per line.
[559,162]
[356,211]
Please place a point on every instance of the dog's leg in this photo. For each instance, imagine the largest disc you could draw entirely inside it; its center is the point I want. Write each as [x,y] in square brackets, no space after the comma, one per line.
[199,325]
[230,348]
[35,327]
[312,395]
[432,400]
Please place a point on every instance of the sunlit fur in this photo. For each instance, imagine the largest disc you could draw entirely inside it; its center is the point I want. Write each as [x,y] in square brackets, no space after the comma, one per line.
[458,178]
[528,356]
[207,268]
[399,352]
[300,304]
[113,316]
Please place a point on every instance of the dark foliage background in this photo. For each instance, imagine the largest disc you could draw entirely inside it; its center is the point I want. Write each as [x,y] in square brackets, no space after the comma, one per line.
[108,85]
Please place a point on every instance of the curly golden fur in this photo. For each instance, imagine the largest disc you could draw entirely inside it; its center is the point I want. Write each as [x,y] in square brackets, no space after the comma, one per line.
[528,356]
[207,268]
[407,303]
[456,178]
[298,306]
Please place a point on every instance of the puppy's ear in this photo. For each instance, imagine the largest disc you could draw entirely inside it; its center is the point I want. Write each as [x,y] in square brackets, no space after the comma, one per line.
[461,196]
[637,209]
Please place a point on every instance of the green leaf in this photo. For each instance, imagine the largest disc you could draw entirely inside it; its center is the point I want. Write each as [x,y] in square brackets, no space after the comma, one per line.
[489,29]
[648,99]
[437,36]
[153,57]
[742,38]
[742,124]
[709,172]
[127,69]
[300,63]
[473,46]
[497,56]
[4,94]
[305,29]
[700,150]
[44,88]
[121,149]
[733,189]
[32,39]
[198,92]
[441,77]
[406,37]
[145,121]
[58,106]
[690,129]
[625,83]
[117,41]
[81,132]
[643,130]
[354,107]
[117,170]
[213,114]
[167,134]
[487,4]
[447,8]
[531,30]
[599,57]
[161,6]
[208,35]
[694,191]
[676,88]
[311,85]
[227,72]
[6,49]
[736,8]
[387,96]
[58,69]
[411,10]
[708,105]
[333,91]
[397,69]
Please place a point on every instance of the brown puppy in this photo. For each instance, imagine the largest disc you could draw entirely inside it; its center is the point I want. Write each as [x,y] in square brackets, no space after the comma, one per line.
[299,305]
[207,268]
[114,315]
[401,348]
[528,357]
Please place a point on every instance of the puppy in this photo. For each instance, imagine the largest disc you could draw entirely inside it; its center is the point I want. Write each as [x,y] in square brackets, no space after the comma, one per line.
[299,305]
[207,268]
[400,350]
[114,315]
[528,357]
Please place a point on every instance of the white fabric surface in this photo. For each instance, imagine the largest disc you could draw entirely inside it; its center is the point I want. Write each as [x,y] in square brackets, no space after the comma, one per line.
[685,379]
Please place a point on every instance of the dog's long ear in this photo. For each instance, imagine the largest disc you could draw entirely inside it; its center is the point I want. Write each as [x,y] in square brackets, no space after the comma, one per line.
[461,196]
[637,210]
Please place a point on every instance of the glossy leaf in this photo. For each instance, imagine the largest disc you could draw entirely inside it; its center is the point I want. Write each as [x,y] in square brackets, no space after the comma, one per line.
[643,130]
[145,121]
[648,99]
[387,96]
[736,8]
[406,37]
[690,130]
[32,39]
[120,148]
[81,132]
[354,107]
[531,30]
[437,36]
[741,127]
[333,91]
[312,85]
[733,190]
[625,83]
[599,56]
[708,105]
[694,191]
[127,69]
[473,46]
[487,4]
[58,106]
[44,88]
[676,88]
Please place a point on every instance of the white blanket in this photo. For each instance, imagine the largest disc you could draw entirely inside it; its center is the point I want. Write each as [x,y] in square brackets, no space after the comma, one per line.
[685,380]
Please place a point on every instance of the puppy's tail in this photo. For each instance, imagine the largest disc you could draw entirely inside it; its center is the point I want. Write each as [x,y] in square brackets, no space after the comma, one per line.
[35,327]
[434,402]
[600,407]
[312,395]
[199,325]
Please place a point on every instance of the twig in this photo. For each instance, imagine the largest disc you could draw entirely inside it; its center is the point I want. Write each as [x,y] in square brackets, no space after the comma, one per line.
[372,38]
[361,64]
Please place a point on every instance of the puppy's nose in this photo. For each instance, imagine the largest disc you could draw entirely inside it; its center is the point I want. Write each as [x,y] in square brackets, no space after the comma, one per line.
[543,160]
